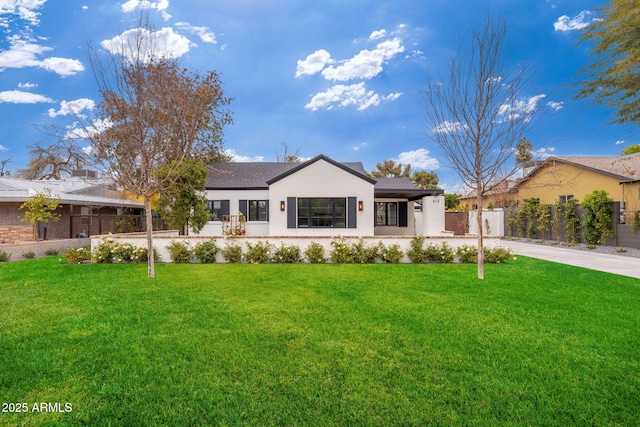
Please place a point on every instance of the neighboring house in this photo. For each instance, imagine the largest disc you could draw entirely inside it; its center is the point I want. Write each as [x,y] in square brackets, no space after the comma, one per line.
[87,206]
[573,177]
[497,196]
[319,197]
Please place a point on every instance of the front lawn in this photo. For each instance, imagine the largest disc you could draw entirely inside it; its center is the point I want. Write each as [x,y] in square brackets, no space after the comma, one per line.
[536,343]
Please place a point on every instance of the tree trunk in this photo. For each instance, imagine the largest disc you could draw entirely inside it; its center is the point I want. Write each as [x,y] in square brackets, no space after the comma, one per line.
[149,220]
[480,235]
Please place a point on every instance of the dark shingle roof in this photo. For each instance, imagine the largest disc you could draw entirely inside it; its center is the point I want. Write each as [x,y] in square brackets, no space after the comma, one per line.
[258,175]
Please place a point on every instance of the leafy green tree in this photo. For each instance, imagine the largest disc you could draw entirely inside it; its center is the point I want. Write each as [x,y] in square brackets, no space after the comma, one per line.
[391,169]
[613,77]
[451,202]
[523,151]
[425,180]
[597,219]
[184,205]
[40,208]
[632,149]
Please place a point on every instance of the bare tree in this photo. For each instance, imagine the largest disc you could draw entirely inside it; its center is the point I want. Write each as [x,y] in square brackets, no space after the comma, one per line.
[287,155]
[53,161]
[476,112]
[154,114]
[3,167]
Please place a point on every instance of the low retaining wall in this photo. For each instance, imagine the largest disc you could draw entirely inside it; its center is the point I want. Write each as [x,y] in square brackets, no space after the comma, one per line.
[161,241]
[41,247]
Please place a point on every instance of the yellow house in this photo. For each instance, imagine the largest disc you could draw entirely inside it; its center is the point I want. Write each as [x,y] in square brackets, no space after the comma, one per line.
[573,177]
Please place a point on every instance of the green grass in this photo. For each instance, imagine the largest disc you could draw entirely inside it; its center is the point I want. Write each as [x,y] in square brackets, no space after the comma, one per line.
[536,343]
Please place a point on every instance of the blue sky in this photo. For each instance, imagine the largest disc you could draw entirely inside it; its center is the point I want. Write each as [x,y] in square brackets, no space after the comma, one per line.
[337,77]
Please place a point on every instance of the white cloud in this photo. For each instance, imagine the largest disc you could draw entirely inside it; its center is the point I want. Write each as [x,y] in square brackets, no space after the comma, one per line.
[418,159]
[3,148]
[582,20]
[555,105]
[157,44]
[23,54]
[313,63]
[235,157]
[620,142]
[448,127]
[359,146]
[519,108]
[25,9]
[343,96]
[366,64]
[162,6]
[393,96]
[19,97]
[205,34]
[97,127]
[543,153]
[27,85]
[85,7]
[378,34]
[73,107]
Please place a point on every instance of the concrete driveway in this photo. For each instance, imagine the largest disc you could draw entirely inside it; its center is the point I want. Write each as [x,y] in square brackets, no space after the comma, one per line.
[616,264]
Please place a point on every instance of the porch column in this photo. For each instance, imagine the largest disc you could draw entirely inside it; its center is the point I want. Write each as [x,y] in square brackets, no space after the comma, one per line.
[432,216]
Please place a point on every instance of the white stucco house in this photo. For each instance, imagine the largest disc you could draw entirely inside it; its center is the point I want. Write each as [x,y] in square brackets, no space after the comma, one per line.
[319,197]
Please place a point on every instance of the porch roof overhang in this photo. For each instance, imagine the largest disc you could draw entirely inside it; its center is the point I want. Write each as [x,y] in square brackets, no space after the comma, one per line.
[409,194]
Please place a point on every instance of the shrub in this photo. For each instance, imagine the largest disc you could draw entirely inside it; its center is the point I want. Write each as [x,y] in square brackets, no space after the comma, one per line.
[258,253]
[341,252]
[206,251]
[636,221]
[52,252]
[139,255]
[315,253]
[4,257]
[392,253]
[123,252]
[416,253]
[124,224]
[179,252]
[78,255]
[467,254]
[29,255]
[363,253]
[497,255]
[597,219]
[232,252]
[103,252]
[287,254]
[440,253]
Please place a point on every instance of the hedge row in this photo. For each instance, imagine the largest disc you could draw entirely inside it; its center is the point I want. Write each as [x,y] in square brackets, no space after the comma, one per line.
[342,252]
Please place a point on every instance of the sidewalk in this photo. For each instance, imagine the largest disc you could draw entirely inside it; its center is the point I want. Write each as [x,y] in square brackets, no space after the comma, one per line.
[624,266]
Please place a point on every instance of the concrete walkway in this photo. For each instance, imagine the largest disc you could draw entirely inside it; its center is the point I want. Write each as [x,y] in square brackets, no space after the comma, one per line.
[616,264]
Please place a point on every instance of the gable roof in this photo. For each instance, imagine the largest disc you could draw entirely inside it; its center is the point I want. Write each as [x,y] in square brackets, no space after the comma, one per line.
[258,175]
[342,166]
[623,168]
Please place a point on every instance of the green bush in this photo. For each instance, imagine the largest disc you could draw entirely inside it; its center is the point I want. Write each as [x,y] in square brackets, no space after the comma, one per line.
[123,252]
[341,252]
[392,253]
[497,255]
[103,252]
[78,255]
[52,252]
[206,251]
[258,253]
[363,253]
[29,255]
[179,252]
[139,255]
[467,254]
[416,253]
[315,253]
[440,253]
[232,252]
[287,254]
[4,257]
